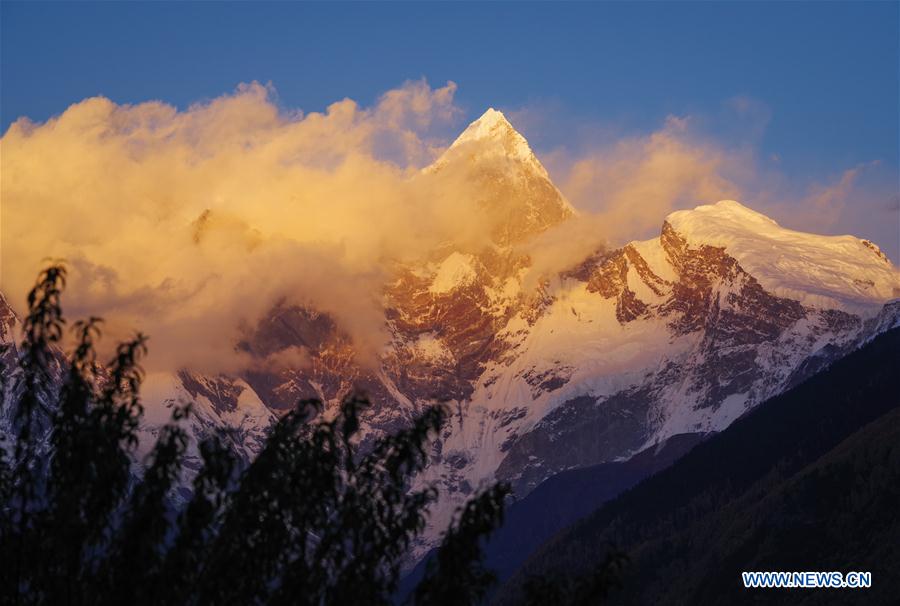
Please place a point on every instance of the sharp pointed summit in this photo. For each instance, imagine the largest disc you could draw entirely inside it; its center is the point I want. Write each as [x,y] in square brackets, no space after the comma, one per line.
[491,124]
[493,134]
[512,182]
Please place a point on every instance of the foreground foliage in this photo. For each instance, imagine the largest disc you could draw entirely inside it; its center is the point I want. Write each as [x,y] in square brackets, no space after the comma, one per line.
[312,520]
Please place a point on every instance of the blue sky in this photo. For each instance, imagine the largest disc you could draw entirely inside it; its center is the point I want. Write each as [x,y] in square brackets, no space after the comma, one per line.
[822,77]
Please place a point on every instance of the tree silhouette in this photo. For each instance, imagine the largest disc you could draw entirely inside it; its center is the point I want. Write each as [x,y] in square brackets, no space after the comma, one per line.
[456,574]
[311,520]
[586,589]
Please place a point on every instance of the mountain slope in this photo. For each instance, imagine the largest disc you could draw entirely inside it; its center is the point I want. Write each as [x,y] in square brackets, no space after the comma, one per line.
[807,481]
[678,334]
[561,500]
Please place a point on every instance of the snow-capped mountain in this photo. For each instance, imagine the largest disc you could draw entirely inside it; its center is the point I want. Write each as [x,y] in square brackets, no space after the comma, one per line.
[682,333]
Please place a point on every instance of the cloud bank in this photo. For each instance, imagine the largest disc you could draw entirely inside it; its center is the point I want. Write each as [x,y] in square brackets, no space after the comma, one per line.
[191,225]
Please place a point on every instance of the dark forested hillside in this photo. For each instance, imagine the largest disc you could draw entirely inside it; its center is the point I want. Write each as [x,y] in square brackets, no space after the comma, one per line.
[808,481]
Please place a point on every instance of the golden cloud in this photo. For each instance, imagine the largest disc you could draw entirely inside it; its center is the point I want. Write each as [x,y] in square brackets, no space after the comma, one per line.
[192,224]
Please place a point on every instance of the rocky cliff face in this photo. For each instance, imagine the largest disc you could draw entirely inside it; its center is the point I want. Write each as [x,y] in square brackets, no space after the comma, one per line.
[699,341]
[678,334]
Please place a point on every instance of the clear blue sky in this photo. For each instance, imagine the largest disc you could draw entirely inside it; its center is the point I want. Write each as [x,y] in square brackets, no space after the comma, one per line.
[828,72]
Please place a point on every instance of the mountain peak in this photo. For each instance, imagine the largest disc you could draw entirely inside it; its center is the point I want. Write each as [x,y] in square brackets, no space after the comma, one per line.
[514,184]
[492,129]
[492,136]
[492,124]
[832,272]
[725,210]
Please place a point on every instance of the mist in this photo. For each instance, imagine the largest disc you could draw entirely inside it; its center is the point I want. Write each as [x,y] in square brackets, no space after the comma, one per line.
[190,225]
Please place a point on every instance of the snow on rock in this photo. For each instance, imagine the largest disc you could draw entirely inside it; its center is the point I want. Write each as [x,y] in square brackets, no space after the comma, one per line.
[491,138]
[677,334]
[454,272]
[840,272]
[429,347]
[218,405]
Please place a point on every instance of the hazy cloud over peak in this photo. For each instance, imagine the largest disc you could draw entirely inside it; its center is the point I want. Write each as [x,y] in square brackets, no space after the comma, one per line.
[191,224]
